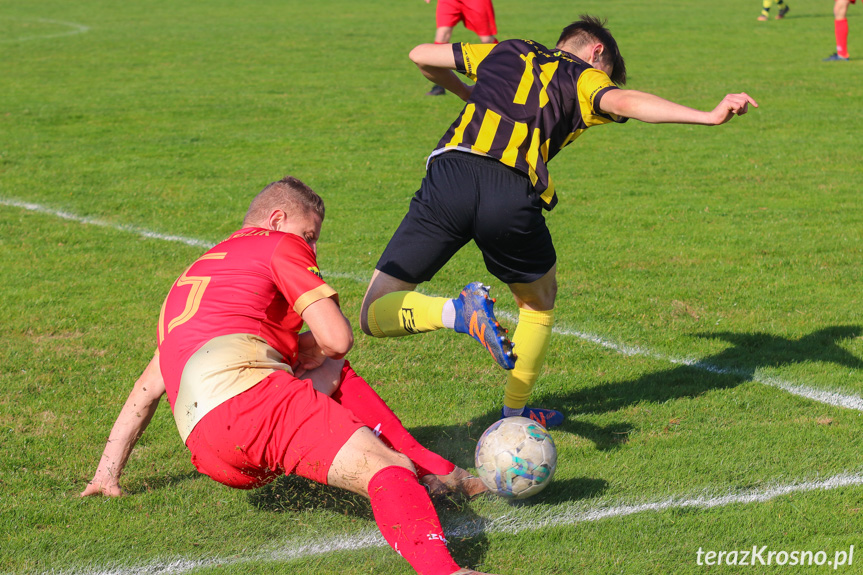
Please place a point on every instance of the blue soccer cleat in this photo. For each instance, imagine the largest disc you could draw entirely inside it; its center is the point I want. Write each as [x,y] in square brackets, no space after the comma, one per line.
[545,417]
[474,316]
[835,58]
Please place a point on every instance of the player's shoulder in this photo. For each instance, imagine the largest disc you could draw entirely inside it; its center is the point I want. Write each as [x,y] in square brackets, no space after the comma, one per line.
[545,53]
[520,45]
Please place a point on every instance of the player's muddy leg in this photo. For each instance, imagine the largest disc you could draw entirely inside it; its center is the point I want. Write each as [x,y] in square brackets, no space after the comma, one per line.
[440,476]
[402,508]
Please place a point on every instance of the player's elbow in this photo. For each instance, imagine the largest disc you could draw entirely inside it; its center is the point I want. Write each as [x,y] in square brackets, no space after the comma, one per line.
[422,55]
[415,54]
[337,345]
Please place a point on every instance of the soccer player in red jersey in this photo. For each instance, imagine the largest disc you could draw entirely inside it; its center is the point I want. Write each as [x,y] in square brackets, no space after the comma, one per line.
[840,28]
[477,15]
[253,398]
[488,182]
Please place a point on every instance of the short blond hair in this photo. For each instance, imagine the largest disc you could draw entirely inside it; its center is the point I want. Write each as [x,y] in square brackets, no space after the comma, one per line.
[289,195]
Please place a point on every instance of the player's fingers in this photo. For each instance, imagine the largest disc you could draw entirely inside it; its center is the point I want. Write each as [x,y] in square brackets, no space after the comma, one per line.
[747,99]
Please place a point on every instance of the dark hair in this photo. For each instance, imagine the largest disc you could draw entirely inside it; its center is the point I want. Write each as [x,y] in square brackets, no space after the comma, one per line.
[288,194]
[592,29]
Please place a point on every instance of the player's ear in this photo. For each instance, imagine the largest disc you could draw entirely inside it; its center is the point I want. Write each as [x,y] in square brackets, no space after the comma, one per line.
[276,219]
[598,49]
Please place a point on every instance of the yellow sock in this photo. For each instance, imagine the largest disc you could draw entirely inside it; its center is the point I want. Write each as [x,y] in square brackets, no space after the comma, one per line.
[765,7]
[530,341]
[404,313]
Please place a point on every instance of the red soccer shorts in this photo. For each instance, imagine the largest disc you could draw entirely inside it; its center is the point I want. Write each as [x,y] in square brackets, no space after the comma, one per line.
[279,426]
[478,15]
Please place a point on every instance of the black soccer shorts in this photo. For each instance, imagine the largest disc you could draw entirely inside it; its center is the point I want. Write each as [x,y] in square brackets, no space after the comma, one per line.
[467,197]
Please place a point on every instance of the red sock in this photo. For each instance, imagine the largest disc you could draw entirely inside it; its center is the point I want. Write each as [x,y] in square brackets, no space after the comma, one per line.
[841,37]
[359,397]
[408,521]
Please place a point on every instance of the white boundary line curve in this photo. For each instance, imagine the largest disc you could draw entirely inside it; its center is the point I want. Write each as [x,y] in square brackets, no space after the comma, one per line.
[525,519]
[76,29]
[847,401]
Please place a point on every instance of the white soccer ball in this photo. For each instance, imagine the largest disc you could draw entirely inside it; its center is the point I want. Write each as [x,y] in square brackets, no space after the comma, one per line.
[516,457]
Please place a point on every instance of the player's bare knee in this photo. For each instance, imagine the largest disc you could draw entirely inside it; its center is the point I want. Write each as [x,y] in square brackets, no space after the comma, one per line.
[402,460]
[364,316]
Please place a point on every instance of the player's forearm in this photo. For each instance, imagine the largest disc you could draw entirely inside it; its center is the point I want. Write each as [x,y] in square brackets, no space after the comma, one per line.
[446,79]
[130,425]
[650,108]
[330,328]
[436,62]
[128,428]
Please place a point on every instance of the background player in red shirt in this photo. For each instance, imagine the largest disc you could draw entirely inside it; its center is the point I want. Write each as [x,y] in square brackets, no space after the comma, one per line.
[840,29]
[229,359]
[488,182]
[477,15]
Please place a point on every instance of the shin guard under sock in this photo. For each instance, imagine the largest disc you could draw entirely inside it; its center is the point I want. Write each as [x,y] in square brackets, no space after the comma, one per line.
[408,521]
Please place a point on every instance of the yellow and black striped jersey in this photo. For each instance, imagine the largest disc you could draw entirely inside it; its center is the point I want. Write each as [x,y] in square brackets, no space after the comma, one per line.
[528,103]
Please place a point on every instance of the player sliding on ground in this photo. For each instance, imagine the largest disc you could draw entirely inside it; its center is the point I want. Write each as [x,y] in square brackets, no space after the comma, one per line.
[229,359]
[488,181]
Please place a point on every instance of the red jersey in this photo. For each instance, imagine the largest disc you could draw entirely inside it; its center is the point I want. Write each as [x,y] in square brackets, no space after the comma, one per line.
[234,317]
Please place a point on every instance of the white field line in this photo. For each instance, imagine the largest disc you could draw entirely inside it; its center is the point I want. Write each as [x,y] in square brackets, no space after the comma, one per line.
[103,224]
[829,397]
[522,518]
[75,29]
[846,401]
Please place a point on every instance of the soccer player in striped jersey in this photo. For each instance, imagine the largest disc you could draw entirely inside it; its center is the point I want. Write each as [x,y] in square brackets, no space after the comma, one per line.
[488,181]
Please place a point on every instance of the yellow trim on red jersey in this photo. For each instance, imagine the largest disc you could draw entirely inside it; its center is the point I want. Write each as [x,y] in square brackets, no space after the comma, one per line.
[311,296]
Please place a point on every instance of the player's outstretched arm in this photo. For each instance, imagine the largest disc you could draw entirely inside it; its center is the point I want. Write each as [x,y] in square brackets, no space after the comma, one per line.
[436,62]
[130,425]
[655,110]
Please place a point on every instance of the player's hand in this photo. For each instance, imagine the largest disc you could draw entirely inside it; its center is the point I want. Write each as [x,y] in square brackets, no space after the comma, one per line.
[309,354]
[308,359]
[730,106]
[99,488]
[328,377]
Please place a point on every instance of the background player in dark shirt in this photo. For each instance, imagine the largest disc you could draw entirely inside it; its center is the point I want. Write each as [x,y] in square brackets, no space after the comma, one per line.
[488,181]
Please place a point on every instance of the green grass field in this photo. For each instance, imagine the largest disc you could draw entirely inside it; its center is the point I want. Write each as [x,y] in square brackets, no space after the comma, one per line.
[709,347]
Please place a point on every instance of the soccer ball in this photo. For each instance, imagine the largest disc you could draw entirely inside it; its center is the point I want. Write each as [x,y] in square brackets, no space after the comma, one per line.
[516,457]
